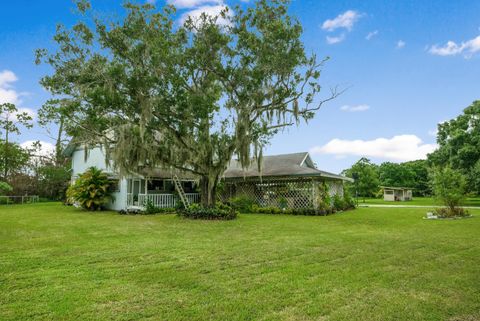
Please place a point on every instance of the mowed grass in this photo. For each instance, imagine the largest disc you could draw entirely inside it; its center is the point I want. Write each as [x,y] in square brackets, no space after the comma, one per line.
[425,201]
[59,263]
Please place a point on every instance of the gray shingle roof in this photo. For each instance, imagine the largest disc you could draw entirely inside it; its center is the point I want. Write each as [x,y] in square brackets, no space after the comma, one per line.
[297,164]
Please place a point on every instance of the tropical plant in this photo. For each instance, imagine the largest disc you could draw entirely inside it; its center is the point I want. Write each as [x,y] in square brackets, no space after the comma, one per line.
[90,190]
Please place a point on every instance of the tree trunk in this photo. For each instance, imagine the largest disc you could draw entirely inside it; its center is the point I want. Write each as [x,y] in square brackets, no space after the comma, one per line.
[6,160]
[58,144]
[208,190]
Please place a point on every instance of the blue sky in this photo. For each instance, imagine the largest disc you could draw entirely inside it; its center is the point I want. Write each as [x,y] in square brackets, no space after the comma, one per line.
[408,65]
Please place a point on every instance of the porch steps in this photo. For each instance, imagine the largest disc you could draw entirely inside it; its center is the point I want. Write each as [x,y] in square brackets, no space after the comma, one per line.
[181,192]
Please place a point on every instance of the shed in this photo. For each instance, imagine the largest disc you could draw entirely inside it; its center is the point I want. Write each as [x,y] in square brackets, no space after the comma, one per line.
[393,194]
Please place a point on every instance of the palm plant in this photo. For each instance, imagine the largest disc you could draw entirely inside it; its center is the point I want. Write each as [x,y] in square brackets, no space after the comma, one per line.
[91,190]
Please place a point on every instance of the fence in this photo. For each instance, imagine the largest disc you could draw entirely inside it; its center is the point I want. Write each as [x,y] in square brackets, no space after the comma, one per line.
[19,199]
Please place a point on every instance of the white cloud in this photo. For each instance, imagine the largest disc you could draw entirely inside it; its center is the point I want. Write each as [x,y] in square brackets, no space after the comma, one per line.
[401,44]
[397,148]
[451,48]
[192,3]
[371,34]
[7,77]
[345,20]
[213,11]
[7,93]
[334,40]
[353,109]
[433,132]
[45,150]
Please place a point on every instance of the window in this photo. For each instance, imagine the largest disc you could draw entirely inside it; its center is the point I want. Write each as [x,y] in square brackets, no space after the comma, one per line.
[389,192]
[114,186]
[156,185]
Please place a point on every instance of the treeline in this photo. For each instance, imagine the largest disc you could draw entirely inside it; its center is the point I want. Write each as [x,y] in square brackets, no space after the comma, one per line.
[29,170]
[369,177]
[459,150]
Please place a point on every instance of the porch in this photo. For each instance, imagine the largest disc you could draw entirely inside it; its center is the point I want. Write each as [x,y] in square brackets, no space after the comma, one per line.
[282,192]
[158,191]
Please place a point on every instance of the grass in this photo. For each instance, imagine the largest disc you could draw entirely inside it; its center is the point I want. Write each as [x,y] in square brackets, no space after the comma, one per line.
[425,201]
[59,263]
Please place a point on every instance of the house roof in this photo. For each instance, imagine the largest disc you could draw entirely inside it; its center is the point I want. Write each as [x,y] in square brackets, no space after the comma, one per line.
[284,165]
[166,173]
[296,164]
[396,188]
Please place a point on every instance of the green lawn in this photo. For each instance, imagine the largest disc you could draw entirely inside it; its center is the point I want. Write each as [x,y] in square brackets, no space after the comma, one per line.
[59,263]
[428,201]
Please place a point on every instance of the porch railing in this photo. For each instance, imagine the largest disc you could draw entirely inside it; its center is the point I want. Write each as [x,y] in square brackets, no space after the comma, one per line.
[160,200]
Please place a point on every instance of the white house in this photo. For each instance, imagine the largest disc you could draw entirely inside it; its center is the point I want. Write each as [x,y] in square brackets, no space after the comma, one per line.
[291,178]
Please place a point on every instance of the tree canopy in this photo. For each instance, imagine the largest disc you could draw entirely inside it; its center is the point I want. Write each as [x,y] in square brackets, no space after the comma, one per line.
[189,97]
[459,145]
[10,120]
[366,178]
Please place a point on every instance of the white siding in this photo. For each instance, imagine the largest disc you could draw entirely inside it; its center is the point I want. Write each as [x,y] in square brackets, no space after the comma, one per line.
[96,158]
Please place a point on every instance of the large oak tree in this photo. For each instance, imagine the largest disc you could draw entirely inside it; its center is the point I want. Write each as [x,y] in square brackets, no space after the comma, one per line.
[189,96]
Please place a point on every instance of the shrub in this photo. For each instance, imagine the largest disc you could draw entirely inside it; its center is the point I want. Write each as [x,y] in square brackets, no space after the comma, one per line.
[90,190]
[447,212]
[448,186]
[282,203]
[199,212]
[349,201]
[309,211]
[4,188]
[243,203]
[150,209]
[338,203]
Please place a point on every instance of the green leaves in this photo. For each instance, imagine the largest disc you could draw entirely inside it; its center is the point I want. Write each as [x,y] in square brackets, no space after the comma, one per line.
[459,141]
[187,97]
[448,186]
[90,190]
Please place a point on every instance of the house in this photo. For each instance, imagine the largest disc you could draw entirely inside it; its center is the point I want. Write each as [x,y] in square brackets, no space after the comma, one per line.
[290,179]
[392,194]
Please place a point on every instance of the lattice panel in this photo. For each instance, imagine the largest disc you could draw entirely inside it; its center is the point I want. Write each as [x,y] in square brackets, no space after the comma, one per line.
[293,194]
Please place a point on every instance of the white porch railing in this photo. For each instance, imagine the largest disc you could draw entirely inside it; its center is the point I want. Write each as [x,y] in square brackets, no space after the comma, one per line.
[193,197]
[160,200]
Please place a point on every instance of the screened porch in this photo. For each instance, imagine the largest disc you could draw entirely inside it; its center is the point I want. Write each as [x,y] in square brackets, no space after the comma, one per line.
[159,191]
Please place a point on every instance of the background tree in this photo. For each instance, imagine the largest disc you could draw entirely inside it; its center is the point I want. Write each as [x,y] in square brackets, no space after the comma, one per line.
[188,97]
[10,120]
[459,145]
[395,175]
[13,159]
[4,188]
[420,182]
[367,182]
[48,115]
